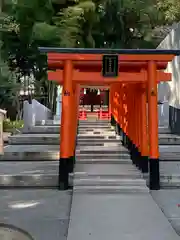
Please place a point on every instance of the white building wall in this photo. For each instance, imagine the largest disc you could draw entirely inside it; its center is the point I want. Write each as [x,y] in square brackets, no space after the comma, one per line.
[169,92]
[34,112]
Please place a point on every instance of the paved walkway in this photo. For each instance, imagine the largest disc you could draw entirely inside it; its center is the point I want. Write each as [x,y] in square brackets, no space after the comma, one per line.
[118,216]
[169,202]
[44,214]
[103,216]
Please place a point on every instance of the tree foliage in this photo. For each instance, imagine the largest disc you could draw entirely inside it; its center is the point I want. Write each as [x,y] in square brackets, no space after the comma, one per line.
[28,24]
[170,10]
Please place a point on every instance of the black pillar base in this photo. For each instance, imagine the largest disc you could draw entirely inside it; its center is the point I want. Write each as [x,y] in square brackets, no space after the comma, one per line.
[117,129]
[65,166]
[71,162]
[133,153]
[77,128]
[154,178]
[129,144]
[137,157]
[113,122]
[144,165]
[123,139]
[120,131]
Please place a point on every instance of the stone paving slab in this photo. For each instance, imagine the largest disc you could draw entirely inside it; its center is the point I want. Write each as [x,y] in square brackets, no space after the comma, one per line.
[51,167]
[166,152]
[27,168]
[164,129]
[51,152]
[42,213]
[122,216]
[169,135]
[31,148]
[30,152]
[49,139]
[56,129]
[104,149]
[84,138]
[170,156]
[45,148]
[106,169]
[170,167]
[169,202]
[169,149]
[13,148]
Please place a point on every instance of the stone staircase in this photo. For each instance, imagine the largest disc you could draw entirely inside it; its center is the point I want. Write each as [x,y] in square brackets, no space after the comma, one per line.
[108,168]
[31,158]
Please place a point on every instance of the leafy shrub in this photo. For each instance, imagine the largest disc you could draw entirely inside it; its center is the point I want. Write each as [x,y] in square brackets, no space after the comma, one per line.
[9,126]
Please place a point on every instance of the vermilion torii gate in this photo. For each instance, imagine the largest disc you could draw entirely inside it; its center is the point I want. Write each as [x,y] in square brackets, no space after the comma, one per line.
[132,76]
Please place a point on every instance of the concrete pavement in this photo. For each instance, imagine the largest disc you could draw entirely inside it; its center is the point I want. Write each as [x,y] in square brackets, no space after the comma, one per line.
[169,203]
[44,214]
[118,216]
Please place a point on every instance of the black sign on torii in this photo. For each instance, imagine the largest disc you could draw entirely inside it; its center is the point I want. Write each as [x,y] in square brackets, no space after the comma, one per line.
[110,66]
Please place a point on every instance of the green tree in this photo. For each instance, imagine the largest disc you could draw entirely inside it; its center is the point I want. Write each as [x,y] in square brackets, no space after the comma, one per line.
[170,9]
[82,23]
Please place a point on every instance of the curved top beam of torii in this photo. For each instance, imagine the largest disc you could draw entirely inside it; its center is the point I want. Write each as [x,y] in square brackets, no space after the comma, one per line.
[175,52]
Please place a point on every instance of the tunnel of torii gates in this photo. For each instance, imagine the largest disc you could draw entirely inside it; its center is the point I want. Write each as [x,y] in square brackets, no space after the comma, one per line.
[132,77]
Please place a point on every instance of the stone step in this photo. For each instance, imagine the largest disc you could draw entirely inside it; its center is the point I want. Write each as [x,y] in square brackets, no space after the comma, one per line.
[101,156]
[106,169]
[54,156]
[95,143]
[56,141]
[85,122]
[82,122]
[47,122]
[97,181]
[56,130]
[163,129]
[82,129]
[93,150]
[120,160]
[49,139]
[30,156]
[110,189]
[43,180]
[164,139]
[91,131]
[40,174]
[50,180]
[169,181]
[95,126]
[42,129]
[51,152]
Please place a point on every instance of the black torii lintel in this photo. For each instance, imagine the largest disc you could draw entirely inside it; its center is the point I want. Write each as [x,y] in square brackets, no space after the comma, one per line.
[175,52]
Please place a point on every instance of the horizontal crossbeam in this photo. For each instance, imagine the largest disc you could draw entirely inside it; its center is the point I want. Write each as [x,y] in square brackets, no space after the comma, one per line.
[98,57]
[96,78]
[96,66]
